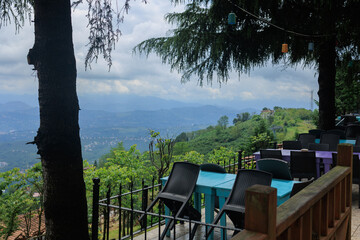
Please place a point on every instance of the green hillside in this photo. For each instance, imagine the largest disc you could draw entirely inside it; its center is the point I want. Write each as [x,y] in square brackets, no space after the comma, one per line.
[248,132]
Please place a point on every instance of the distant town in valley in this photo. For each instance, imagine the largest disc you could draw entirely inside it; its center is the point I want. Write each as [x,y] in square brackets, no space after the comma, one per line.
[101,130]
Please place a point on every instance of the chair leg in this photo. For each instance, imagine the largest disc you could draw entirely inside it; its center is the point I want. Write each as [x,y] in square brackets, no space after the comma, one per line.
[148,210]
[167,227]
[193,231]
[217,218]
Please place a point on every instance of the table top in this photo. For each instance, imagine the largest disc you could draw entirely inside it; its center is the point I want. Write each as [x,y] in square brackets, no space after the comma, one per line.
[210,179]
[225,182]
[283,187]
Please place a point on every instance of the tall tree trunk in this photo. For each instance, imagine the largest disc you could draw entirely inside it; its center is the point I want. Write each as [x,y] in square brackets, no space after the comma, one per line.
[58,139]
[326,82]
[326,61]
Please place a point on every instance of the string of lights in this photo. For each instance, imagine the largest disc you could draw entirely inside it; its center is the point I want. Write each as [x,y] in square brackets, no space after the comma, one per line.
[278,27]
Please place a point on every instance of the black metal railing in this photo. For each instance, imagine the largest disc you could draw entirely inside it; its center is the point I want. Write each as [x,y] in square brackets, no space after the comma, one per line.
[123,210]
[130,215]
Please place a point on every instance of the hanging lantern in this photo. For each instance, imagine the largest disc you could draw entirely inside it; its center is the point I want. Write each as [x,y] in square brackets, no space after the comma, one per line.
[284,48]
[311,46]
[231,18]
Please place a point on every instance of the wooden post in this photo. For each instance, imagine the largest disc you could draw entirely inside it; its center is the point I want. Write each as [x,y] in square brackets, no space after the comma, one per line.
[260,212]
[345,158]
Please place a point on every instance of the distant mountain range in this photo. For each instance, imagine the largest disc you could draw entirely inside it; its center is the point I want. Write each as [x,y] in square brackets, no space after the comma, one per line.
[101,129]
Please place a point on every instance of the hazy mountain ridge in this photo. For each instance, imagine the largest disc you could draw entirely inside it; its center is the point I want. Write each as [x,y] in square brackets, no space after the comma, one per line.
[14,106]
[100,130]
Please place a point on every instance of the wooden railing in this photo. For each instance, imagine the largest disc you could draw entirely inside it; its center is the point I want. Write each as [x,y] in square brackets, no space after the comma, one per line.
[320,211]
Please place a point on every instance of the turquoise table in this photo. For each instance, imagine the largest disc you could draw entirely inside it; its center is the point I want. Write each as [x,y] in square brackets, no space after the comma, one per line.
[220,184]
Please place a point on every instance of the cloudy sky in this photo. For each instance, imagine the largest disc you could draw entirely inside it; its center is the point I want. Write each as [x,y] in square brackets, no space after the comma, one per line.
[135,75]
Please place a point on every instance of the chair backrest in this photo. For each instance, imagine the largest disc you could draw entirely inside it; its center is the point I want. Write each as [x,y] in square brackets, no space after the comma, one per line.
[293,145]
[357,141]
[339,132]
[305,139]
[278,168]
[334,160]
[356,148]
[270,153]
[211,167]
[319,146]
[245,178]
[356,169]
[316,132]
[303,164]
[356,166]
[297,187]
[349,119]
[182,179]
[331,139]
[352,131]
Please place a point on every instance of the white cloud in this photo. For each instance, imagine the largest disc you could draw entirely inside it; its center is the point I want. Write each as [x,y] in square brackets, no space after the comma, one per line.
[247,95]
[134,74]
[120,88]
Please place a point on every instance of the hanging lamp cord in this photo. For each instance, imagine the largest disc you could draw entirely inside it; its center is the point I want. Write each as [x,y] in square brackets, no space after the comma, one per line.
[278,27]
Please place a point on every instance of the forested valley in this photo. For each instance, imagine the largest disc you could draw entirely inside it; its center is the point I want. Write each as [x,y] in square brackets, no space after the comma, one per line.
[22,191]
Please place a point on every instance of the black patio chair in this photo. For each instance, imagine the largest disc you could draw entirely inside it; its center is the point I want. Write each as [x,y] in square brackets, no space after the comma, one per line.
[211,167]
[297,187]
[305,139]
[352,131]
[177,193]
[278,168]
[303,165]
[316,132]
[356,148]
[234,206]
[292,145]
[349,119]
[270,153]
[331,139]
[357,141]
[356,172]
[339,132]
[356,169]
[318,146]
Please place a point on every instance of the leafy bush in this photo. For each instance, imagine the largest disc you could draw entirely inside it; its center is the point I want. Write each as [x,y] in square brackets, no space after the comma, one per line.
[192,156]
[221,155]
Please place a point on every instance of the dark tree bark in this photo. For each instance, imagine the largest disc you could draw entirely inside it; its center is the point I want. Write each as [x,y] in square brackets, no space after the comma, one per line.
[58,139]
[326,80]
[327,67]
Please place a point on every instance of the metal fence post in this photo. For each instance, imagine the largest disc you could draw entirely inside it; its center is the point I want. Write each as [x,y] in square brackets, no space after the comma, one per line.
[120,205]
[132,210]
[107,217]
[240,159]
[95,210]
[144,202]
